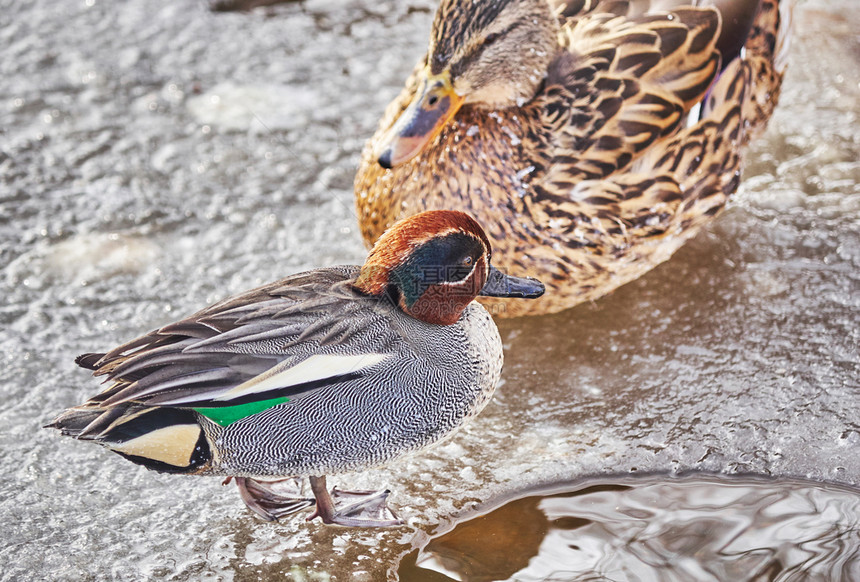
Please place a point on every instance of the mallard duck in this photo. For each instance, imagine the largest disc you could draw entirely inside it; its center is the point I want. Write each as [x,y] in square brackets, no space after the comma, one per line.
[329,371]
[591,139]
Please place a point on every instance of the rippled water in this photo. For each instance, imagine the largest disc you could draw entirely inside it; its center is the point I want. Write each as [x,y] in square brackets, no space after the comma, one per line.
[155,157]
[696,529]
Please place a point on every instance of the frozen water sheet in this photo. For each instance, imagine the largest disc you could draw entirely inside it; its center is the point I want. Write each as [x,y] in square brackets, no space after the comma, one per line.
[128,200]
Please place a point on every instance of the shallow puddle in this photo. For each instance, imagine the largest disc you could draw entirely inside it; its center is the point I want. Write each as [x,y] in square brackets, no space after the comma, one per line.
[697,528]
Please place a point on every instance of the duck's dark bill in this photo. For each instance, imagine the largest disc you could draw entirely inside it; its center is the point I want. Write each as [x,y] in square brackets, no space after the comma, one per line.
[500,285]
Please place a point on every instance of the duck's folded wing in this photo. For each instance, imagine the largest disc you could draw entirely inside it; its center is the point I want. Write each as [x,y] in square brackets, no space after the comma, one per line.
[673,188]
[277,342]
[619,100]
[622,84]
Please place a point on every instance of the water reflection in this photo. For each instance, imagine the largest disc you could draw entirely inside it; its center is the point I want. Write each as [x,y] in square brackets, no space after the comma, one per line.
[699,529]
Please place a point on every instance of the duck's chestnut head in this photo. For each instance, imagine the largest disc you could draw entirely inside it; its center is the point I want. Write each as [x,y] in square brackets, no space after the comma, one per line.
[434,264]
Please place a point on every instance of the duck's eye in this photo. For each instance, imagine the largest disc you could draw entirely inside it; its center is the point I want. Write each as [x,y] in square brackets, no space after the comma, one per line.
[491,37]
[461,270]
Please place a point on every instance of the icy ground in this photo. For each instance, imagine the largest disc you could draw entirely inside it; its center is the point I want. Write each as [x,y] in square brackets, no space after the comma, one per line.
[156,156]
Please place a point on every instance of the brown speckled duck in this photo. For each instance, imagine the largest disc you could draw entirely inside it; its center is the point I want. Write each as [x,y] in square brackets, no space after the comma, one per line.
[590,138]
[324,372]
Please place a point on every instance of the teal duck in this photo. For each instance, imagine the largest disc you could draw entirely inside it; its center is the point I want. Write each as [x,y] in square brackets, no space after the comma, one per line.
[334,370]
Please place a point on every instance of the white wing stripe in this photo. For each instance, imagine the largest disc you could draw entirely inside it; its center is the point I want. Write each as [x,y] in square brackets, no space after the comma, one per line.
[315,368]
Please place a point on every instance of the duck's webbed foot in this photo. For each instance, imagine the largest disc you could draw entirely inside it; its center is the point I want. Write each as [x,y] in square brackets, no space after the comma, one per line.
[352,508]
[272,500]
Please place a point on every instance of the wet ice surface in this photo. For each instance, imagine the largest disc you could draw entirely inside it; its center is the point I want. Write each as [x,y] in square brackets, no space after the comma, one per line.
[654,529]
[147,169]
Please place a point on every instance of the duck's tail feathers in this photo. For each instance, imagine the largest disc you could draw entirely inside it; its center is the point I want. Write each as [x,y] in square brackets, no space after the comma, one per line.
[169,440]
[764,58]
[89,361]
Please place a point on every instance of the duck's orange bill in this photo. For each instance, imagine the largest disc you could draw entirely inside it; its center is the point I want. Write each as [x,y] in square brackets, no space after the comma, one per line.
[434,105]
